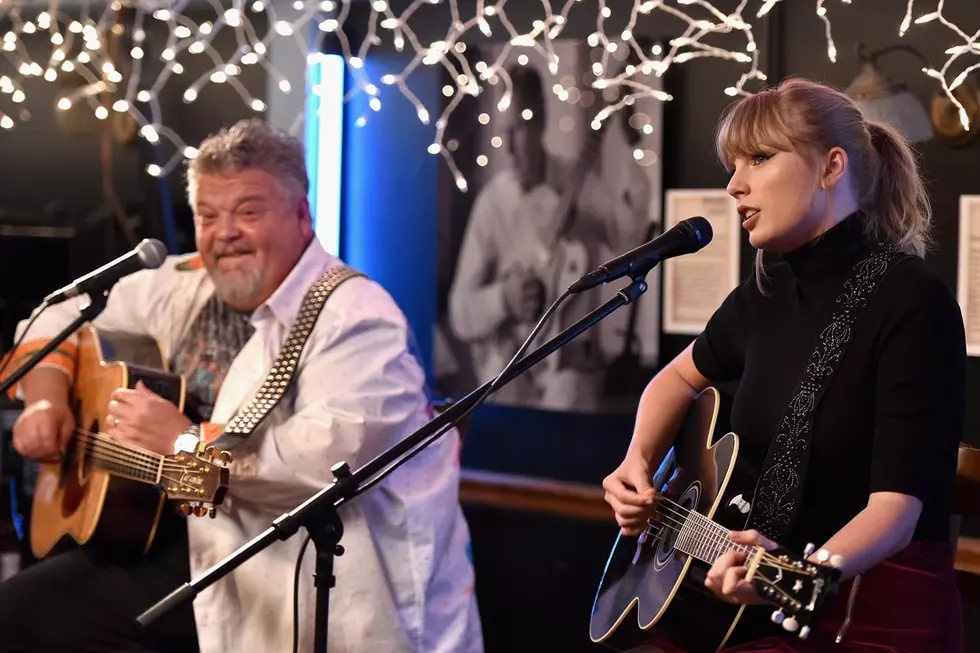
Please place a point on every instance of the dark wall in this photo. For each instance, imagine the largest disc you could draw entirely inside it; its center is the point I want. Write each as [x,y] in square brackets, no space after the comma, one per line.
[56,219]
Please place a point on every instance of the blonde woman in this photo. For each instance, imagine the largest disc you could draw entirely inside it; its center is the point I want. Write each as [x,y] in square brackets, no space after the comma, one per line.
[840,218]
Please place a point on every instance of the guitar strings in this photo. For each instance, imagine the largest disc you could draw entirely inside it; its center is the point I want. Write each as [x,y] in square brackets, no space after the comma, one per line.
[97,452]
[717,535]
[104,448]
[676,521]
[715,540]
[101,450]
[671,524]
[135,450]
[132,452]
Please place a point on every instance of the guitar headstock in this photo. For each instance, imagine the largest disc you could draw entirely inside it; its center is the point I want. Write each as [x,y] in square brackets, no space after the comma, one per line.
[199,479]
[799,587]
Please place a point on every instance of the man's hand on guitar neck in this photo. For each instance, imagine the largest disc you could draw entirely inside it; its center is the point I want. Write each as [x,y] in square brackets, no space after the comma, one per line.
[141,417]
[43,430]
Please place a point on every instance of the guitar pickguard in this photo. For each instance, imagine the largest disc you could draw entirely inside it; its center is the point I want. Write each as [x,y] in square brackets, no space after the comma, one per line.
[170,387]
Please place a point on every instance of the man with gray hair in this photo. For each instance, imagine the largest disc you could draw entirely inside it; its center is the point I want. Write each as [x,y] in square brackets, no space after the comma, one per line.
[405,582]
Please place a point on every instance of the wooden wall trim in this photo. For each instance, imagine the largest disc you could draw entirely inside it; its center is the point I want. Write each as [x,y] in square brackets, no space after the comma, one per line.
[968,554]
[516,492]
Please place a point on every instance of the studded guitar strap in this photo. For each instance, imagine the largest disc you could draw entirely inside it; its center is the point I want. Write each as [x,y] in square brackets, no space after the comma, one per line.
[280,377]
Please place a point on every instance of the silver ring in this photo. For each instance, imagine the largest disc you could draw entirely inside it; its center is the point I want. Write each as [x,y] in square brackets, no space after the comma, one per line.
[115,421]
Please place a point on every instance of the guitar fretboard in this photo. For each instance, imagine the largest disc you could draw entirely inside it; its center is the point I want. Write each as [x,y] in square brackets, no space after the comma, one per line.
[118,459]
[703,539]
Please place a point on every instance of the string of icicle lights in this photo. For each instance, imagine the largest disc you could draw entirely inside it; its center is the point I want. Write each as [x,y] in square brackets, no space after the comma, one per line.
[115,81]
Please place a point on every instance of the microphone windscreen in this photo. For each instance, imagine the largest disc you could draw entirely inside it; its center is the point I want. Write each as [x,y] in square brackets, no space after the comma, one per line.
[152,252]
[702,227]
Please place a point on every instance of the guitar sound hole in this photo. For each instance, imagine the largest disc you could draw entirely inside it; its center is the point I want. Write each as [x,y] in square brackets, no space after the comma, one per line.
[80,454]
[74,475]
[672,517]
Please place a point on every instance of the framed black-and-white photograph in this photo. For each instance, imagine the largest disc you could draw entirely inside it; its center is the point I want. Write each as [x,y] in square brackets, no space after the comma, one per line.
[549,199]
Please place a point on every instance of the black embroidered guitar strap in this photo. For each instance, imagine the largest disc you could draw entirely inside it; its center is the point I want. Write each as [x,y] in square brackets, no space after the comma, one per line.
[779,489]
[280,377]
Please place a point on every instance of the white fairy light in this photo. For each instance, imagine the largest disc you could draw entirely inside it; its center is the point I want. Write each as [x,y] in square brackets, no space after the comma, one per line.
[137,93]
[970,45]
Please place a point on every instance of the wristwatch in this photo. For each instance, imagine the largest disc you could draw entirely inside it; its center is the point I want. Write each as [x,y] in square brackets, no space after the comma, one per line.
[188,440]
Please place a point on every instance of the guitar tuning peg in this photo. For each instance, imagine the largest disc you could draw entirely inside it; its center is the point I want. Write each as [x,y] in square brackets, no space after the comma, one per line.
[836,561]
[778,616]
[200,511]
[804,632]
[823,555]
[210,452]
[212,512]
[184,509]
[808,551]
[224,457]
[791,624]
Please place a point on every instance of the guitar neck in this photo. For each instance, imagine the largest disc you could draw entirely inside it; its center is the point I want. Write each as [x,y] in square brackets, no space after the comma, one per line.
[705,540]
[120,459]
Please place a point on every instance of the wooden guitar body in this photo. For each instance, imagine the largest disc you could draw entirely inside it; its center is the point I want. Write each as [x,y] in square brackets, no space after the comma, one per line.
[91,495]
[652,590]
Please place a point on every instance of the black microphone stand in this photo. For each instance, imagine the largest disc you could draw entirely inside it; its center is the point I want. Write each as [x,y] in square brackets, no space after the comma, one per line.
[319,515]
[89,312]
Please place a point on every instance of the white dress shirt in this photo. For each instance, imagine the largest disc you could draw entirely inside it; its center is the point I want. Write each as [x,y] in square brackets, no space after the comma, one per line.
[405,582]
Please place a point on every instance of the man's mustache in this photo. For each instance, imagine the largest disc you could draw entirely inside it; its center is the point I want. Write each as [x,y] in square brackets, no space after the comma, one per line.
[226,251]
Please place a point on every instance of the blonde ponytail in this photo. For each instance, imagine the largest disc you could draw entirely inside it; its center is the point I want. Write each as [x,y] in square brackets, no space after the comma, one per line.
[896,199]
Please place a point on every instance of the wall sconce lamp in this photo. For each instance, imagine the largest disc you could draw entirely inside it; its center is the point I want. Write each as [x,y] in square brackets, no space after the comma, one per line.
[889,101]
[884,100]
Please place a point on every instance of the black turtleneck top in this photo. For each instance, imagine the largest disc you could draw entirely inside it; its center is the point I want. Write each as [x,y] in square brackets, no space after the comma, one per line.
[892,416]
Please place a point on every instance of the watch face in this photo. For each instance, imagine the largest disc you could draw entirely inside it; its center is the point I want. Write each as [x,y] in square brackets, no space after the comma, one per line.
[186,442]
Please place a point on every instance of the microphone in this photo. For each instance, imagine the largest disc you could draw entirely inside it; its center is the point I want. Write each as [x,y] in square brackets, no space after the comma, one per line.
[685,237]
[150,253]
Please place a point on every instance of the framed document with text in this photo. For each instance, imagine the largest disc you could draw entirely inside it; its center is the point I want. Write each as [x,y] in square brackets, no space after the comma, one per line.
[696,284]
[968,271]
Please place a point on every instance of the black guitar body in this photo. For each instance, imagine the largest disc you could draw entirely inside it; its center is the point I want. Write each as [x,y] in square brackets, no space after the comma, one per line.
[650,592]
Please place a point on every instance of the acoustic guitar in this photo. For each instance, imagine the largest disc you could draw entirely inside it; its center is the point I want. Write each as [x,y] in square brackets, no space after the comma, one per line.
[652,589]
[109,494]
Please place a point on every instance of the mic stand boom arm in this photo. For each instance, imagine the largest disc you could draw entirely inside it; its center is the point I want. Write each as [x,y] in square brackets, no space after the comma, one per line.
[318,514]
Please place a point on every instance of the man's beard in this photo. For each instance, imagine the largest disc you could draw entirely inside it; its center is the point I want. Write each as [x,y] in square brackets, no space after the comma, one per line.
[237,287]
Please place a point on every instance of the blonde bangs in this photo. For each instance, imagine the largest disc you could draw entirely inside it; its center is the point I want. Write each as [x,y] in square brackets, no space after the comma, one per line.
[752,125]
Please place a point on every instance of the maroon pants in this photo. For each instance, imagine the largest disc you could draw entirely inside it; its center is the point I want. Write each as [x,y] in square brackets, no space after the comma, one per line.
[909,603]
